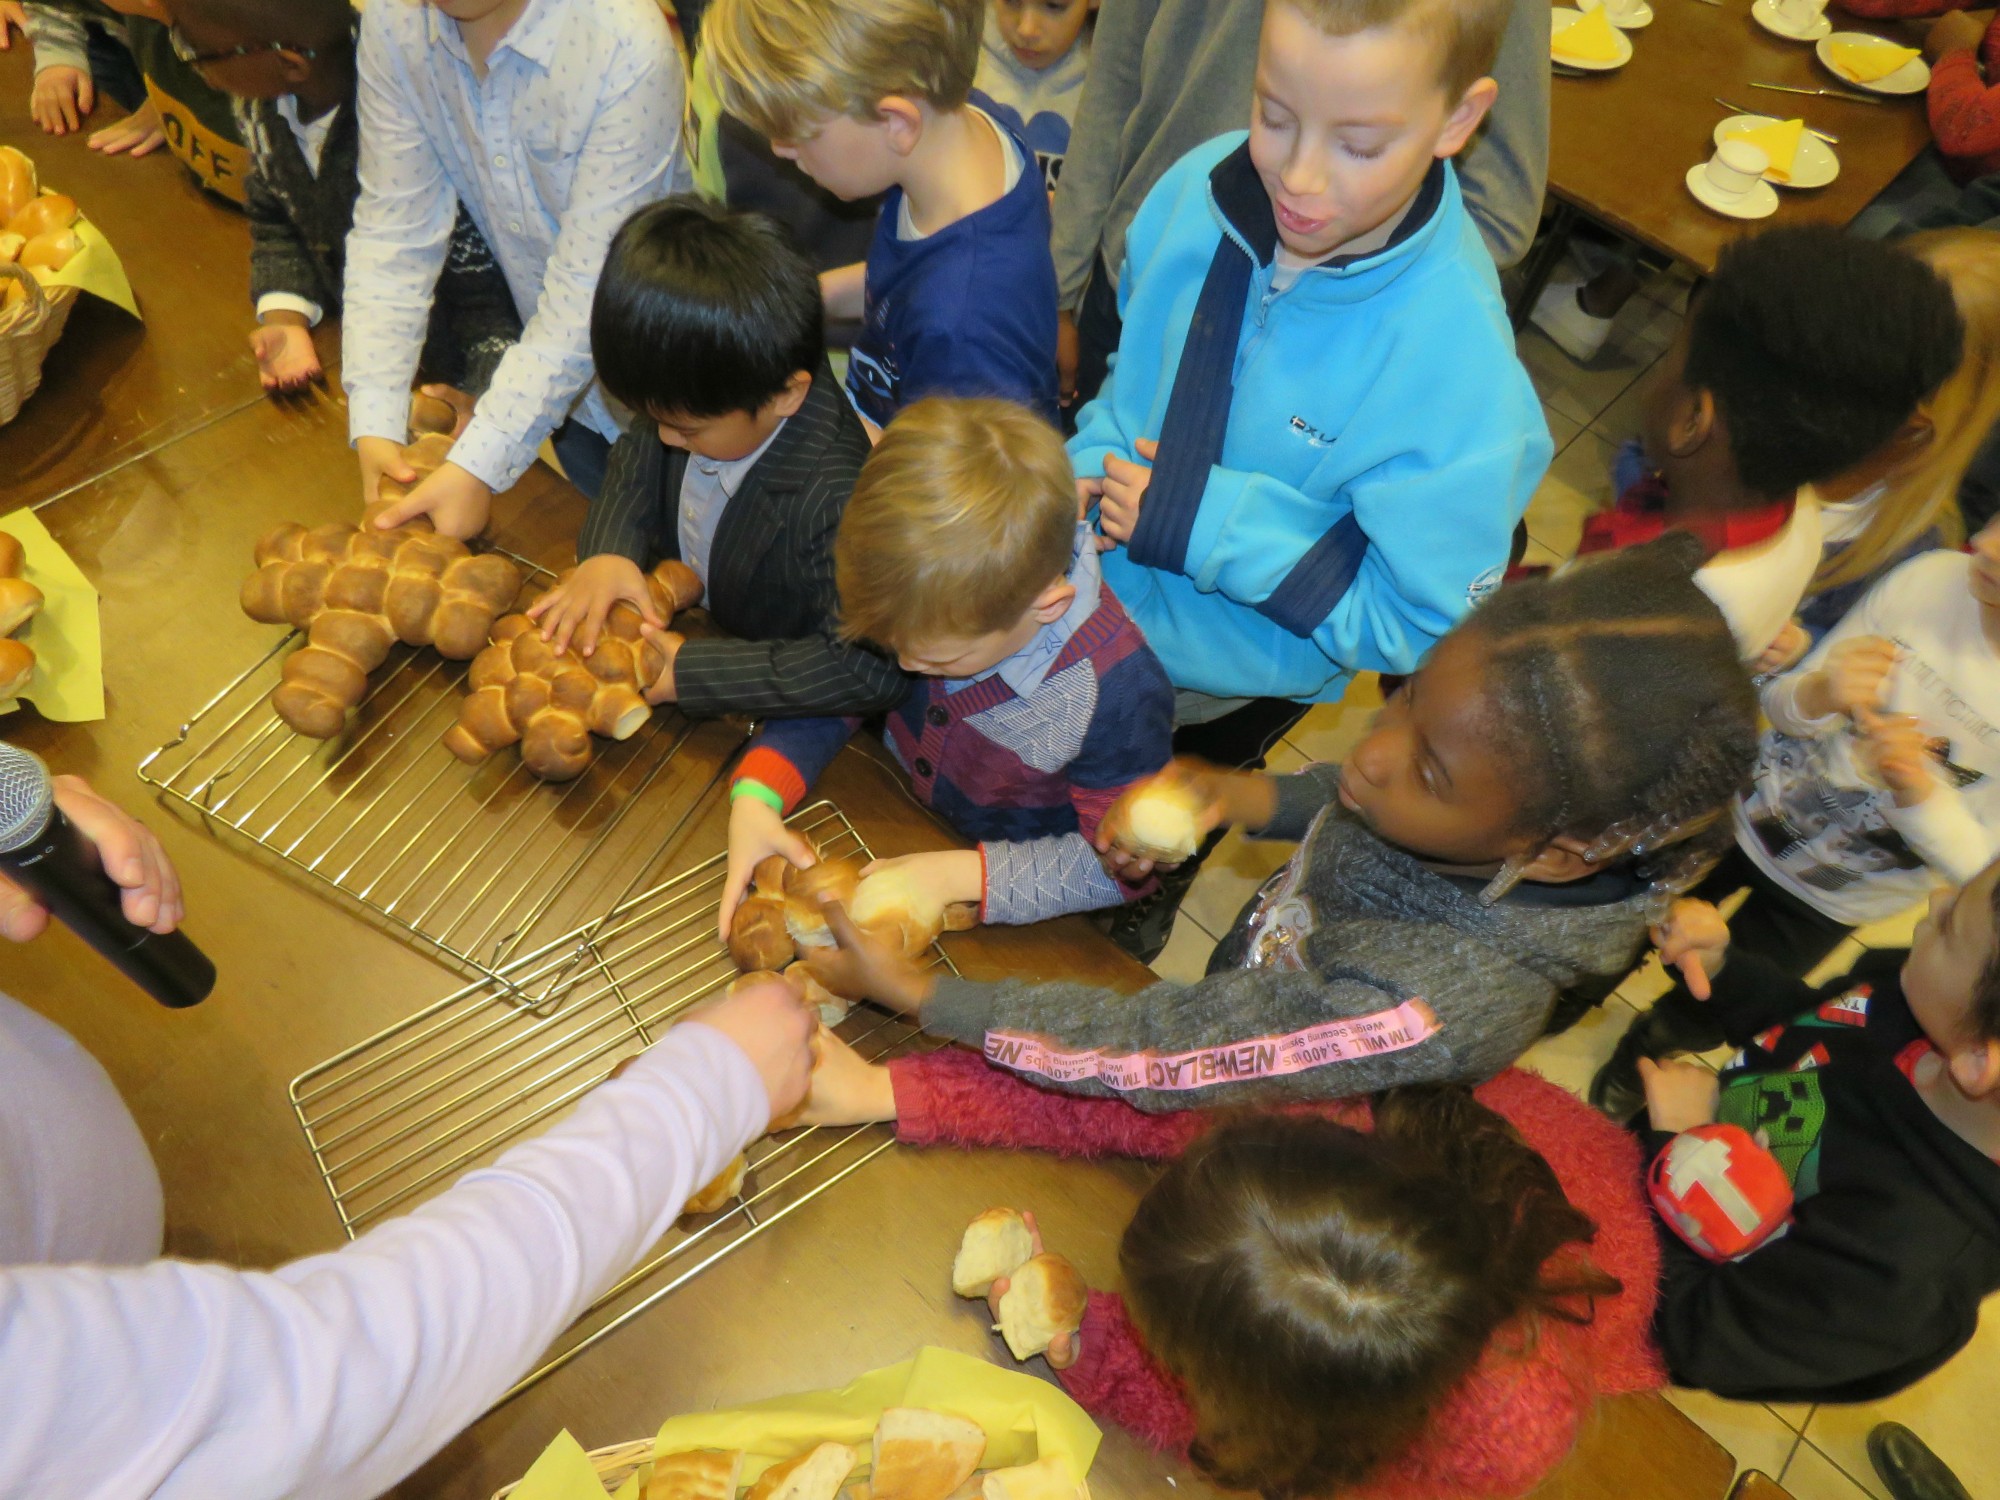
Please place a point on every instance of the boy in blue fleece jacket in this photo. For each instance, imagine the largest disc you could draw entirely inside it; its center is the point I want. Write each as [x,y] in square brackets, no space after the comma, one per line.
[958,295]
[1317,366]
[1036,702]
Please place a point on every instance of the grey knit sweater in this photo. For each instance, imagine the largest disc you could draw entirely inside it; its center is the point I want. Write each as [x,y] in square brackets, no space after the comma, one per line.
[1377,971]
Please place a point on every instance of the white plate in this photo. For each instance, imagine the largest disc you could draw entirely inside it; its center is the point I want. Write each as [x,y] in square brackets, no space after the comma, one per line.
[1814,166]
[1559,17]
[1765,14]
[1759,203]
[1912,78]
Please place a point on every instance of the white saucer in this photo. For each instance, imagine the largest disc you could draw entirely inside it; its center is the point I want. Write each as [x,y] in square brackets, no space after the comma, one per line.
[1815,165]
[1765,13]
[1559,17]
[1912,78]
[1759,203]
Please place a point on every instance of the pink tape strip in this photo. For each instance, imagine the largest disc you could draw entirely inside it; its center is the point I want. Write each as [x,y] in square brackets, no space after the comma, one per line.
[1263,1057]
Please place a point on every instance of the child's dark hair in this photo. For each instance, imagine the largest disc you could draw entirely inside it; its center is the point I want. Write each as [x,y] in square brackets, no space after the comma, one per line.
[703,310]
[1319,1290]
[1623,677]
[1817,346]
[315,24]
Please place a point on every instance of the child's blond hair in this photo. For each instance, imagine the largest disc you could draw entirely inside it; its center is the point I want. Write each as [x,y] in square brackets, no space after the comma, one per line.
[785,67]
[963,514]
[1467,32]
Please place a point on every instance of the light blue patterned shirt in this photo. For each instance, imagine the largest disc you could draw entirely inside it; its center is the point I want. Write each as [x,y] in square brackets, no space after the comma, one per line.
[576,124]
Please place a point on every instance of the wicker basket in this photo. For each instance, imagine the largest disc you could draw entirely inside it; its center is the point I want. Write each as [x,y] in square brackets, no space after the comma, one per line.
[27,332]
[614,1465]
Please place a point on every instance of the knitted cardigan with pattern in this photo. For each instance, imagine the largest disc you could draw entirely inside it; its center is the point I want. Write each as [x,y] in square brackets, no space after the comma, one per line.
[1507,1424]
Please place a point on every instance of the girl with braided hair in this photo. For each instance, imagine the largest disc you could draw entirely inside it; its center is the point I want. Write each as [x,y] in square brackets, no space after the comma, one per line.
[1503,836]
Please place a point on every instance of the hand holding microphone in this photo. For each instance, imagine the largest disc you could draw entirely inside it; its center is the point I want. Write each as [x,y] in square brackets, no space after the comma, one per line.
[68,851]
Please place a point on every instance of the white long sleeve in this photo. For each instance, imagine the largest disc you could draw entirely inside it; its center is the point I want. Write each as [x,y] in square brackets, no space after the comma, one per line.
[1819,822]
[337,1375]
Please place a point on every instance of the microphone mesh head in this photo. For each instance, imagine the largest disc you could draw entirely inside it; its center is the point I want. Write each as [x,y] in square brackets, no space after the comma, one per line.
[27,797]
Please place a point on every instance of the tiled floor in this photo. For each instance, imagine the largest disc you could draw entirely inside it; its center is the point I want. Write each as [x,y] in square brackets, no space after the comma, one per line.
[1817,1453]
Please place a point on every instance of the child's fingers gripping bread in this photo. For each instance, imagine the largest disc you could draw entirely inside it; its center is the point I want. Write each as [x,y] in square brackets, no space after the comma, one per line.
[923,1455]
[758,938]
[817,1475]
[1045,1297]
[1162,821]
[697,1474]
[996,1244]
[830,879]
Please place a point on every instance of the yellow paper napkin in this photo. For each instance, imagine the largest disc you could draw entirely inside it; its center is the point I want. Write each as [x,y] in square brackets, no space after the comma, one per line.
[1780,142]
[1865,62]
[1589,38]
[1024,1418]
[68,684]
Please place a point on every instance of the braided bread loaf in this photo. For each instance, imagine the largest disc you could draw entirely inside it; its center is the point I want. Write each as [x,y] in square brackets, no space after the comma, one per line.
[356,591]
[523,691]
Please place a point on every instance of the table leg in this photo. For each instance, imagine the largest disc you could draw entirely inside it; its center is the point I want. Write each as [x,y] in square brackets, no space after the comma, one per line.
[1541,262]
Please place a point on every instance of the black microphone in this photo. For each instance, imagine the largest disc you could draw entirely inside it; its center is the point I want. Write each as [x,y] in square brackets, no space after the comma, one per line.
[44,854]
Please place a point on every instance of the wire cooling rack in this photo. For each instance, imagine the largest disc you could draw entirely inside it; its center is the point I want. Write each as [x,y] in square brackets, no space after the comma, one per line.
[396,1118]
[476,864]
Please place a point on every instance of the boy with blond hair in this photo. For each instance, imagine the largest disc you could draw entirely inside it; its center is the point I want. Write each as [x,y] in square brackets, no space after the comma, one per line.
[1311,455]
[958,295]
[1037,701]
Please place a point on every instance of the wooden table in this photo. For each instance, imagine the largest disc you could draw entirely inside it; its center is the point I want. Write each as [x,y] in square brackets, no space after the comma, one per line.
[855,1279]
[114,390]
[1620,143]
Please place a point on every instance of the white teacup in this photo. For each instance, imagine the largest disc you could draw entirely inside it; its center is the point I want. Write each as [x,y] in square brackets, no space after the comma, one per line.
[1800,14]
[1736,167]
[1617,10]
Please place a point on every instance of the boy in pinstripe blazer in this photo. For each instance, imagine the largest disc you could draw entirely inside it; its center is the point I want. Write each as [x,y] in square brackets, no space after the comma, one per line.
[708,323]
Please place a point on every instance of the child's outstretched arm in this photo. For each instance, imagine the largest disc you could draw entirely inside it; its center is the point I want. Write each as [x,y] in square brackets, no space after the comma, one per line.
[783,760]
[1241,1037]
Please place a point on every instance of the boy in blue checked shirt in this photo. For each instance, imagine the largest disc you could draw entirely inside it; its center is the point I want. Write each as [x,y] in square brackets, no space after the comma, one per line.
[1038,702]
[958,296]
[551,121]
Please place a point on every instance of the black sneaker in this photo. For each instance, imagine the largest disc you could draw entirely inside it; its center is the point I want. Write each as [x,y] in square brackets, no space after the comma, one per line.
[1142,927]
[1677,1023]
[1909,1470]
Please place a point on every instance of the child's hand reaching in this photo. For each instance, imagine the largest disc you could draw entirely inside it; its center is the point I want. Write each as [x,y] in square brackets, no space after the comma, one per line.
[138,134]
[1679,1095]
[668,643]
[1693,939]
[845,1089]
[1064,1347]
[286,358]
[1124,491]
[62,98]
[1787,647]
[575,609]
[457,501]
[1901,753]
[756,832]
[1854,676]
[862,967]
[1246,799]
[11,15]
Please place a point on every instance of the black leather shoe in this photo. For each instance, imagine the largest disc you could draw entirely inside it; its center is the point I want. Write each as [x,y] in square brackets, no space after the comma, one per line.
[1908,1468]
[1677,1022]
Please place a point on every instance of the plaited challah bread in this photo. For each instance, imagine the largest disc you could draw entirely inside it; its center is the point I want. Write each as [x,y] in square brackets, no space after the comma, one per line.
[523,692]
[356,591]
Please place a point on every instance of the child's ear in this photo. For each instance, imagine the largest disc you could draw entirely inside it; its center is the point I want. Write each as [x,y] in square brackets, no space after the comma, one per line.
[1693,422]
[1975,1068]
[797,387]
[1559,861]
[904,119]
[1053,602]
[1914,436]
[293,68]
[1465,116]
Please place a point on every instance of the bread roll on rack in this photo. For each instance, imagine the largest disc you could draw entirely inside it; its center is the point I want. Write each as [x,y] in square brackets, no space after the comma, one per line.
[523,692]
